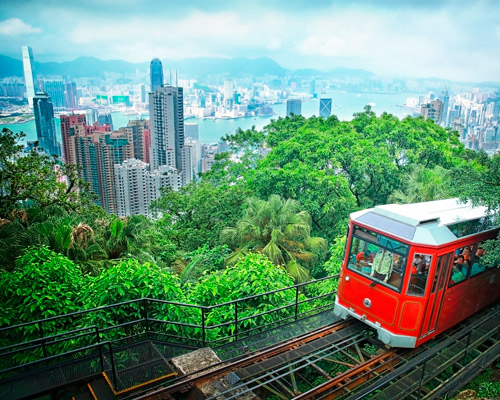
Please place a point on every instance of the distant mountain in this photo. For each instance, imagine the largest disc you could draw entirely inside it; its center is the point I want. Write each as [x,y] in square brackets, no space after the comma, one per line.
[10,67]
[91,67]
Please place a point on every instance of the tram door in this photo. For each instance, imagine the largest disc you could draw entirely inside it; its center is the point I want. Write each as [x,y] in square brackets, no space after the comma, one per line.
[436,296]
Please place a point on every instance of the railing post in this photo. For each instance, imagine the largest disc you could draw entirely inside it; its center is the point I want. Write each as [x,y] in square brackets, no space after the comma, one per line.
[40,329]
[145,315]
[236,321]
[101,357]
[296,302]
[203,333]
[113,369]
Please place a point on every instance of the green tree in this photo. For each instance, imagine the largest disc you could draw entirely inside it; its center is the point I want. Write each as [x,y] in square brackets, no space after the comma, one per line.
[196,214]
[281,231]
[33,178]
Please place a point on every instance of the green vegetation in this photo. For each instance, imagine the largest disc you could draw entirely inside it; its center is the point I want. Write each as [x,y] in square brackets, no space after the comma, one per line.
[277,203]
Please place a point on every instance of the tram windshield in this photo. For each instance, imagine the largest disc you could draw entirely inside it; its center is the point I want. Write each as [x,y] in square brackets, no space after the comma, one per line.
[378,257]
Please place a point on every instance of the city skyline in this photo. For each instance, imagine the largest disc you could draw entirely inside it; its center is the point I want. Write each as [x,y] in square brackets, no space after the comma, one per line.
[454,40]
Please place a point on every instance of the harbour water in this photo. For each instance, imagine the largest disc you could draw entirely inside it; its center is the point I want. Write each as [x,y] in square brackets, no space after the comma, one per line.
[211,130]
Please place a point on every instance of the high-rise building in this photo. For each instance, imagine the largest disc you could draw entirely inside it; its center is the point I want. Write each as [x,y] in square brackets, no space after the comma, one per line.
[432,110]
[29,74]
[104,118]
[132,195]
[293,106]
[56,90]
[191,130]
[138,138]
[156,74]
[325,108]
[111,148]
[167,126]
[45,124]
[71,96]
[68,134]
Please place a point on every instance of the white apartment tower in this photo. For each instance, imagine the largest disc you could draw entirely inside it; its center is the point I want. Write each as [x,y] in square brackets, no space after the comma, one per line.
[131,180]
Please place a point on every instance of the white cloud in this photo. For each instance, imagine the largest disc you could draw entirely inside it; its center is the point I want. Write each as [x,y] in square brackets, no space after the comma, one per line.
[322,46]
[16,26]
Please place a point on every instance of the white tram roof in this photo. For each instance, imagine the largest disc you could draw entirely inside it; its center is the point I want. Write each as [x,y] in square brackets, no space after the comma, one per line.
[429,223]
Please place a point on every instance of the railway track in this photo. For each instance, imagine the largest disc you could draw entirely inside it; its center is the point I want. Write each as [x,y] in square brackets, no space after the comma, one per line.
[284,370]
[340,361]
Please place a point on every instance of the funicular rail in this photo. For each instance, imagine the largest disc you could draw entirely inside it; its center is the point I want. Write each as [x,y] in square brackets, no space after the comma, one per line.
[390,374]
[464,351]
[273,360]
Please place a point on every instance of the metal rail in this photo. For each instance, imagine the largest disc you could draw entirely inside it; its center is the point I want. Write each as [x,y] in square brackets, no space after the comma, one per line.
[222,368]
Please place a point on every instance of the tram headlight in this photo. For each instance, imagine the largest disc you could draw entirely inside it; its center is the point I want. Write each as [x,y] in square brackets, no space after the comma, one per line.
[367,302]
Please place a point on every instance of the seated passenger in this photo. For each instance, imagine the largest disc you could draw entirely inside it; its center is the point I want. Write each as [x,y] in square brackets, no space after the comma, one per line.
[462,264]
[456,274]
[466,254]
[418,264]
[364,257]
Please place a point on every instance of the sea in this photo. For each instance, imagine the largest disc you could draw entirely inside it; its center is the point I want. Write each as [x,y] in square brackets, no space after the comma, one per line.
[344,105]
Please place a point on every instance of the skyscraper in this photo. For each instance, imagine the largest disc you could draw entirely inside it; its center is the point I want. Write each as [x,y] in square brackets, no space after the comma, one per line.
[293,106]
[432,110]
[325,108]
[167,126]
[71,95]
[29,74]
[55,89]
[45,125]
[156,72]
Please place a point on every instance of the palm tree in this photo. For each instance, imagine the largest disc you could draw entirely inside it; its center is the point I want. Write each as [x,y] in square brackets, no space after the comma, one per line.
[423,184]
[279,230]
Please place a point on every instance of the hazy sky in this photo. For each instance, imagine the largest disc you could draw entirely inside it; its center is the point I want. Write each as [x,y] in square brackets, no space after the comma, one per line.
[451,39]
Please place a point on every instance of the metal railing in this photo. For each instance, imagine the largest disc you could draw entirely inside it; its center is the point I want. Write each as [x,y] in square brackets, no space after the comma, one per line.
[97,333]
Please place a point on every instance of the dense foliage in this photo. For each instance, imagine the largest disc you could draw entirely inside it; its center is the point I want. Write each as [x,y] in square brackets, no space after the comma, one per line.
[261,219]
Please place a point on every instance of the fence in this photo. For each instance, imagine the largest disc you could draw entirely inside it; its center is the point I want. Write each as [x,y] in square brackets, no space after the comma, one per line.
[94,337]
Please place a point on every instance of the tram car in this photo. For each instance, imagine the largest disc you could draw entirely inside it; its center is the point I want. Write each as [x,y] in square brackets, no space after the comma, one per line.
[412,271]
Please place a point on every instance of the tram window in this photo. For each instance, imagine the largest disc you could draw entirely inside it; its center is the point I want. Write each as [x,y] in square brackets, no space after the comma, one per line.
[377,257]
[419,274]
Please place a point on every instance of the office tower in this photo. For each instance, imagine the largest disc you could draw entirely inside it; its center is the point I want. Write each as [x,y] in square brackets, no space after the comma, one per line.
[167,127]
[325,108]
[132,194]
[156,74]
[142,92]
[104,118]
[228,94]
[138,138]
[45,124]
[29,74]
[312,87]
[55,89]
[68,134]
[191,130]
[293,106]
[71,96]
[446,101]
[432,110]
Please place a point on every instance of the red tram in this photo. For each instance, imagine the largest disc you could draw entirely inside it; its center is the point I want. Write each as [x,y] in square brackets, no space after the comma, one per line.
[412,271]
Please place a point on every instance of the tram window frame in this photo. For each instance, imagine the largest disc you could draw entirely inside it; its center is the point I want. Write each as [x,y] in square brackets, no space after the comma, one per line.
[416,285]
[470,270]
[371,243]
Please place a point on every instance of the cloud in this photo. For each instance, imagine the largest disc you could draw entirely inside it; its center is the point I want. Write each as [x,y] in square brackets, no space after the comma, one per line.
[16,27]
